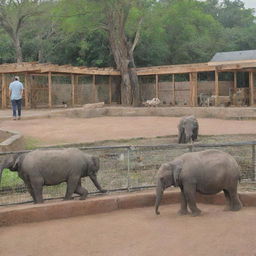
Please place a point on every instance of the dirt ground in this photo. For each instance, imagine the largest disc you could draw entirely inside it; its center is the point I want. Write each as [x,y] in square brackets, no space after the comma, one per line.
[137,232]
[62,130]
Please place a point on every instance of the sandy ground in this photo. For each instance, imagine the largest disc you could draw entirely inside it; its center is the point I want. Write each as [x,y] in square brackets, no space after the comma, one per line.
[137,232]
[78,130]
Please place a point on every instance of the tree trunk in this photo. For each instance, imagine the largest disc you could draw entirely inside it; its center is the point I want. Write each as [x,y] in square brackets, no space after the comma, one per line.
[17,46]
[130,93]
[18,50]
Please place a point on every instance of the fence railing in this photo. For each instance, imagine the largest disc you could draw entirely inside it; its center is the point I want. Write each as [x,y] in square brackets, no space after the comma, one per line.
[127,168]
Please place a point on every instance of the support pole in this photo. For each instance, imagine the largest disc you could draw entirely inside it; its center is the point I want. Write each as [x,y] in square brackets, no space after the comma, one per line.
[235,81]
[4,91]
[110,89]
[193,89]
[50,89]
[157,86]
[251,85]
[27,90]
[254,160]
[217,89]
[173,90]
[73,85]
[94,88]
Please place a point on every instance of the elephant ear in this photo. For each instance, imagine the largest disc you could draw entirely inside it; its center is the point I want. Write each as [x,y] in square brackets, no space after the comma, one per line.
[96,163]
[17,160]
[176,167]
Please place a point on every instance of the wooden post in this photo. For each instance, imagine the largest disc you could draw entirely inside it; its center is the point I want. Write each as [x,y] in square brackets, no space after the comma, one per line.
[4,91]
[193,89]
[254,160]
[110,89]
[235,81]
[157,86]
[173,90]
[27,90]
[94,88]
[216,88]
[50,89]
[251,85]
[73,85]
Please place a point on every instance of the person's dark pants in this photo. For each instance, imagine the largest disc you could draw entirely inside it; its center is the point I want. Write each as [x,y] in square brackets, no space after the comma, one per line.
[16,104]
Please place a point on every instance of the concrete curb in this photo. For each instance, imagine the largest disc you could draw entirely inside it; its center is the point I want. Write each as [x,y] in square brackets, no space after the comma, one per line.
[13,143]
[102,204]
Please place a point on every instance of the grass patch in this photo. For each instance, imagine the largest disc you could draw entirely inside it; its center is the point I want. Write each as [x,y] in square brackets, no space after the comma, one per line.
[10,179]
[32,143]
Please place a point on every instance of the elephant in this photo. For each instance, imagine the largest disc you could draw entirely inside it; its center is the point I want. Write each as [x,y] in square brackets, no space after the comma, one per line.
[51,167]
[188,129]
[206,172]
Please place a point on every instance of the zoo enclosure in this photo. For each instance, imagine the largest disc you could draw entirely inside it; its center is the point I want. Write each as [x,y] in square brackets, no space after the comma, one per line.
[128,168]
[48,85]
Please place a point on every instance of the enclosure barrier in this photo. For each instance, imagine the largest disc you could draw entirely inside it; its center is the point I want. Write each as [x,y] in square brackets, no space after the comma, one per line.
[127,168]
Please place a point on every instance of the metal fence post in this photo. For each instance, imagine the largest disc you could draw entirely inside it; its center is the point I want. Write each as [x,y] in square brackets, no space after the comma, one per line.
[254,160]
[128,169]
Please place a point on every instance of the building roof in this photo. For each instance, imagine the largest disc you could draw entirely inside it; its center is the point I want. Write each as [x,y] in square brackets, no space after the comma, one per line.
[235,56]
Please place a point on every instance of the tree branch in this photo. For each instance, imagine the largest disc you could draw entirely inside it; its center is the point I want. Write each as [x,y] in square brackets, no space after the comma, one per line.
[137,36]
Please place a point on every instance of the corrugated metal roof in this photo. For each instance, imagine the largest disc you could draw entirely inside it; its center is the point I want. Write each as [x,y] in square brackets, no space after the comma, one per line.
[234,56]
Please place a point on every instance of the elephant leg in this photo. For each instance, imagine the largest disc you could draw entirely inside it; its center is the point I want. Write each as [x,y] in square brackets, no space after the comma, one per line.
[228,199]
[190,195]
[235,204]
[183,204]
[37,189]
[195,134]
[72,184]
[30,190]
[28,186]
[81,191]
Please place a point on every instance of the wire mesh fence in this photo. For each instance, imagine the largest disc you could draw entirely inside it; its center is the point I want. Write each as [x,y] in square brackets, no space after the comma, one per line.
[127,168]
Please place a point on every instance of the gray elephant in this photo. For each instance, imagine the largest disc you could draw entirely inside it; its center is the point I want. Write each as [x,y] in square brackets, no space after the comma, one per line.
[207,172]
[188,129]
[51,167]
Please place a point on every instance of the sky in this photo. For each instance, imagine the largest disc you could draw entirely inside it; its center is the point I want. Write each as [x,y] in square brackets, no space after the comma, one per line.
[250,3]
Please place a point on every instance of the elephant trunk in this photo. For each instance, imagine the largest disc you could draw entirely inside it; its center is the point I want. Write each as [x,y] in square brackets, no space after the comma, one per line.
[1,172]
[159,195]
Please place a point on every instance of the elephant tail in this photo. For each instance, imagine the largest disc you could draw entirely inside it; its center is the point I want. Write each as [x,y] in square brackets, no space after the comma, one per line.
[159,195]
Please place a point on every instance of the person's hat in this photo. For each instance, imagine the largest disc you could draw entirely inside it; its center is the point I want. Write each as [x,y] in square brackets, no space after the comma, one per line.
[16,78]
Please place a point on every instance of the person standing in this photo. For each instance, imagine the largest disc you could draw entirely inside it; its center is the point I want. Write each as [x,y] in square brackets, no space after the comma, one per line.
[16,91]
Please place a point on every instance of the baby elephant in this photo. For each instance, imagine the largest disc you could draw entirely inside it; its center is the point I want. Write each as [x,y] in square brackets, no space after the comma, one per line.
[51,167]
[188,129]
[207,172]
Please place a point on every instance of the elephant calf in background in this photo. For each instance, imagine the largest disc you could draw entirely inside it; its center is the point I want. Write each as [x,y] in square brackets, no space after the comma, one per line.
[188,129]
[51,167]
[207,172]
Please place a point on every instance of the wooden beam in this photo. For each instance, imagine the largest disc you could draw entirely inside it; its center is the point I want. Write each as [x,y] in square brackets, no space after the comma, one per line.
[157,86]
[231,62]
[173,90]
[110,89]
[27,90]
[49,89]
[4,91]
[73,85]
[94,88]
[251,85]
[217,89]
[193,89]
[235,81]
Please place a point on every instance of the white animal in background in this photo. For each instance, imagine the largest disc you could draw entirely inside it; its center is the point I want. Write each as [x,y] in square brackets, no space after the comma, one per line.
[152,103]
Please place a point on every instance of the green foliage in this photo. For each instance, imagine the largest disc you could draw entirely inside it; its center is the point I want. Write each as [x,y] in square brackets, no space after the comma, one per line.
[171,31]
[10,179]
[6,51]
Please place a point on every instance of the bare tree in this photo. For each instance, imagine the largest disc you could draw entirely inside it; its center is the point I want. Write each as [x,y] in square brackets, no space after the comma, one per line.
[13,17]
[122,49]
